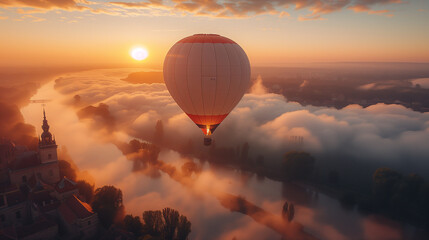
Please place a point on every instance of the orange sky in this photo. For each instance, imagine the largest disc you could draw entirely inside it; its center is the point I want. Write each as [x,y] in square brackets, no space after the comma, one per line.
[99,33]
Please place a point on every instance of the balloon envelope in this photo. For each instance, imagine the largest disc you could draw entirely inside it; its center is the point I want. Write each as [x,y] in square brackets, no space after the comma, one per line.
[207,75]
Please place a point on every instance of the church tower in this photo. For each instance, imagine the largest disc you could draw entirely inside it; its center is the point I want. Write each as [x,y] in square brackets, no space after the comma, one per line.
[47,144]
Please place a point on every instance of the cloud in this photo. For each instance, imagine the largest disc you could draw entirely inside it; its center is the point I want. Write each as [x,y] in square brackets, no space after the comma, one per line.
[310,17]
[30,11]
[258,87]
[375,227]
[113,8]
[366,6]
[201,207]
[249,8]
[145,77]
[100,115]
[284,14]
[261,117]
[17,87]
[45,4]
[386,134]
[149,4]
[362,8]
[33,18]
[212,8]
[12,126]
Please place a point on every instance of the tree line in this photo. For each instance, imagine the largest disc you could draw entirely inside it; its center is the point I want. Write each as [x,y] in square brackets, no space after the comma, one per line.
[107,202]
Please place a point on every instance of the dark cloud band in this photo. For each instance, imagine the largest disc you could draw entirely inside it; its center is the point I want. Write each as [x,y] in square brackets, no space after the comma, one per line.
[212,8]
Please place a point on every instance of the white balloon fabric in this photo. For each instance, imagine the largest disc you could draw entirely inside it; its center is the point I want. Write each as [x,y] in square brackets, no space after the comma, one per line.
[207,75]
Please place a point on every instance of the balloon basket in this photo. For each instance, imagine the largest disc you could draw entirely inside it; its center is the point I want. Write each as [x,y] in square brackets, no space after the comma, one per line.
[207,141]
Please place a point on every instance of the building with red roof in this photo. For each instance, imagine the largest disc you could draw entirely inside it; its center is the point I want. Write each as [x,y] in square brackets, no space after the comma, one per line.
[78,217]
[66,188]
[34,201]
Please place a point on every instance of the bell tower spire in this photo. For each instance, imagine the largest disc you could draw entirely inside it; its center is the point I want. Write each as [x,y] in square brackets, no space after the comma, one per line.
[47,144]
[46,137]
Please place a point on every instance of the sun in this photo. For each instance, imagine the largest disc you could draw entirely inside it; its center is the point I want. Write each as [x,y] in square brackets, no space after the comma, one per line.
[139,53]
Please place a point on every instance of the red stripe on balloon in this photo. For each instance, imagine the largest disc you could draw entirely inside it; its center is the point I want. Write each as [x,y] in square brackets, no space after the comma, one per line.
[207,120]
[206,38]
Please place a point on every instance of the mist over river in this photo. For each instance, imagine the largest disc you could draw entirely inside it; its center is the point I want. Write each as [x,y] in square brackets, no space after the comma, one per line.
[100,161]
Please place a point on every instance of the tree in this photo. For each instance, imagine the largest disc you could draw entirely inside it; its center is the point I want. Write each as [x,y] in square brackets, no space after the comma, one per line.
[414,183]
[333,177]
[152,222]
[77,100]
[385,181]
[141,153]
[108,204]
[291,212]
[190,167]
[423,203]
[244,153]
[297,165]
[133,225]
[260,161]
[171,219]
[284,210]
[288,211]
[167,224]
[183,228]
[66,170]
[406,193]
[159,133]
[134,146]
[403,197]
[86,190]
[348,199]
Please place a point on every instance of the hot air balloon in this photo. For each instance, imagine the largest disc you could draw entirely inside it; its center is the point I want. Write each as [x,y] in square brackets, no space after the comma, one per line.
[207,75]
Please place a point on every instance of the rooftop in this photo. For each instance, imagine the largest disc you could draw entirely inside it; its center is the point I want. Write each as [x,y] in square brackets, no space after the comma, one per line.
[6,188]
[73,208]
[25,160]
[65,185]
[19,232]
[44,201]
[15,197]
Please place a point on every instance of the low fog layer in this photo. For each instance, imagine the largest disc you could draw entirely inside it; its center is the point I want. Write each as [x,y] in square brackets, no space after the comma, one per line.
[94,112]
[16,88]
[389,135]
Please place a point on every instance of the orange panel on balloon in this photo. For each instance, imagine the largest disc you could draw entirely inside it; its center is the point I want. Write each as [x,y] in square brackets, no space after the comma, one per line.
[207,120]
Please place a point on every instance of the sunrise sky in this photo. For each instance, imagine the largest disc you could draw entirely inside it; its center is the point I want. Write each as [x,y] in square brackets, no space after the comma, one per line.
[93,68]
[101,33]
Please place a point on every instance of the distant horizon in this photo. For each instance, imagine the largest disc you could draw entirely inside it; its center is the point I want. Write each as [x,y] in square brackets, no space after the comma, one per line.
[273,65]
[99,32]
